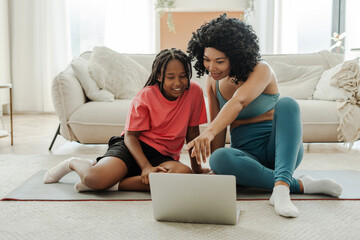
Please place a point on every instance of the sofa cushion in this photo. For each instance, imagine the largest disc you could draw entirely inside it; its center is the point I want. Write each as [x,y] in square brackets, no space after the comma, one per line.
[326,91]
[80,67]
[117,72]
[298,82]
[323,58]
[320,120]
[96,122]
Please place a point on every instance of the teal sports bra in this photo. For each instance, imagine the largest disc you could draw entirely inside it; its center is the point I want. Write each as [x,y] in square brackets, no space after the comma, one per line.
[262,104]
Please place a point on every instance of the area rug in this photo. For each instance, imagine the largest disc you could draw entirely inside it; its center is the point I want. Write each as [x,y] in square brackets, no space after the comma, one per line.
[33,189]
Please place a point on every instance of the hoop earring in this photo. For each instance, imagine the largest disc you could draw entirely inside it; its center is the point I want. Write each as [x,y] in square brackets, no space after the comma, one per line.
[234,80]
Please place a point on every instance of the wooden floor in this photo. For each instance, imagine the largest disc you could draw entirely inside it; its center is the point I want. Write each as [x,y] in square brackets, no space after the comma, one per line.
[33,134]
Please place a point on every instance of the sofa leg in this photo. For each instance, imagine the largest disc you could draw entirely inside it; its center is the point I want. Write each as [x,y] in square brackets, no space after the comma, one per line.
[56,134]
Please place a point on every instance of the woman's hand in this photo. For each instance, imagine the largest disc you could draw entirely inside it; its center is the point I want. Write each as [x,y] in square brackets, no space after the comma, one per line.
[146,171]
[201,146]
[201,170]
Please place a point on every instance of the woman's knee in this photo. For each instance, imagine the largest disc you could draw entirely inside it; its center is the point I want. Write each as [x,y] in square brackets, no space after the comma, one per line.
[221,158]
[288,105]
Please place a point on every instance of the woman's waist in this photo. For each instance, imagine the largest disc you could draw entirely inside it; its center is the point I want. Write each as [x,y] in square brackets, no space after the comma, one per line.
[268,116]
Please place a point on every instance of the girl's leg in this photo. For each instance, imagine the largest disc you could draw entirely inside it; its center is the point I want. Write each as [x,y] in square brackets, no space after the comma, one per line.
[94,176]
[135,183]
[106,173]
[54,174]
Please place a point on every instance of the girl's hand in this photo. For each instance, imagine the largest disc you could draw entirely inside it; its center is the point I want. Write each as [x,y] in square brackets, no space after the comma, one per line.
[146,171]
[201,146]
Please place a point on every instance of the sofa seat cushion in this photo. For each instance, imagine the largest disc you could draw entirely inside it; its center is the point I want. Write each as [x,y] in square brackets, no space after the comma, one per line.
[320,120]
[96,122]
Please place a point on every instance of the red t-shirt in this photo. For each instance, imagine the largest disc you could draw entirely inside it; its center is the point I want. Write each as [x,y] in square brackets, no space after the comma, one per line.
[163,124]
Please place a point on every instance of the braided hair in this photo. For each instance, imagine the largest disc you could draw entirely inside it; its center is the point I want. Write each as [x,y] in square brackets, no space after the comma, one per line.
[160,63]
[231,36]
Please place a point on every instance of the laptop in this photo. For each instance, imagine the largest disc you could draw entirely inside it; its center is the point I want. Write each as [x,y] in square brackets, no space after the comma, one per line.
[194,198]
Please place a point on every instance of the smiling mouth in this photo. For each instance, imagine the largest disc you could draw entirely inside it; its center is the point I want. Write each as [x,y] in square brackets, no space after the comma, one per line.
[215,74]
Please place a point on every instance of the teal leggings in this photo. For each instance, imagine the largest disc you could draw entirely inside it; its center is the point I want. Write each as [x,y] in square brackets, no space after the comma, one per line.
[266,152]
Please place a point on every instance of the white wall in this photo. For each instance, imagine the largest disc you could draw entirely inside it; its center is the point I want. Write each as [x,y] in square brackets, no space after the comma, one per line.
[200,6]
[5,76]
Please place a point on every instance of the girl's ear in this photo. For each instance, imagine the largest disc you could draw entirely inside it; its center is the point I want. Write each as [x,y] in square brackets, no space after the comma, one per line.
[159,78]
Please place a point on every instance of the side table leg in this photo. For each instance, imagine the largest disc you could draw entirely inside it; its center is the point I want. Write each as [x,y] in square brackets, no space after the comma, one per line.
[11,118]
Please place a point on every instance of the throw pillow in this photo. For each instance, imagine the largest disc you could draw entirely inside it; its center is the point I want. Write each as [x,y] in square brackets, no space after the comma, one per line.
[116,72]
[91,89]
[326,91]
[298,82]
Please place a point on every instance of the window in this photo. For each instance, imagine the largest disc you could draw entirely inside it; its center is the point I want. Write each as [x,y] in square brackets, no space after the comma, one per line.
[352,20]
[302,26]
[122,25]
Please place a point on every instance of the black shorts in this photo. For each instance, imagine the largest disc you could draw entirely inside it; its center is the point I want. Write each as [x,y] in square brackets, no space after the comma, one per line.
[117,148]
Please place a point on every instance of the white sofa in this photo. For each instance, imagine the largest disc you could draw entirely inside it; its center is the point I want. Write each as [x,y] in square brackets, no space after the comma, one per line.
[95,122]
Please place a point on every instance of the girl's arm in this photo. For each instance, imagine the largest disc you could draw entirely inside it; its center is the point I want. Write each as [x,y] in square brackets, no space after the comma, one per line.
[133,144]
[256,83]
[193,132]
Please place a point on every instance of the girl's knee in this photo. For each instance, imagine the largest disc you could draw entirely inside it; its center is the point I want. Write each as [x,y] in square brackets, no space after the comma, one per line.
[96,179]
[180,168]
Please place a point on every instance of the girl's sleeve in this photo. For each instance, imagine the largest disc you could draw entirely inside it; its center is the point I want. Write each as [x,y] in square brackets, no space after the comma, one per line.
[138,118]
[198,116]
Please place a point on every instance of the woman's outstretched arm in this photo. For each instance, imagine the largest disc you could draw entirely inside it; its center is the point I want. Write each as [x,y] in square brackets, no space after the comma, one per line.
[192,133]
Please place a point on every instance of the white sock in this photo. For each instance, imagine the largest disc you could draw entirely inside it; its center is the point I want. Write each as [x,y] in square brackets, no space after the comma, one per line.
[54,174]
[280,199]
[320,186]
[81,187]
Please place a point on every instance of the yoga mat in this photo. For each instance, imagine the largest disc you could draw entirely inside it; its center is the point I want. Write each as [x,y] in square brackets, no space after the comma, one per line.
[34,189]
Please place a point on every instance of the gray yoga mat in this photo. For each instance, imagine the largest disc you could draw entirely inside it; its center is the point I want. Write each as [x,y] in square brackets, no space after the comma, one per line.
[34,189]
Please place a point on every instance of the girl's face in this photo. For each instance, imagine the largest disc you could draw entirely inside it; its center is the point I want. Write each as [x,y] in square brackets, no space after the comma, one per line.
[175,81]
[216,63]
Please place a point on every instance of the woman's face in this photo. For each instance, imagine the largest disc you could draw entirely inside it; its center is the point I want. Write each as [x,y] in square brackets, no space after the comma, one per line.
[216,63]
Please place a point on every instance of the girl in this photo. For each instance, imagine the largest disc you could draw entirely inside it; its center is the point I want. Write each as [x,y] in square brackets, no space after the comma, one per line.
[266,135]
[167,111]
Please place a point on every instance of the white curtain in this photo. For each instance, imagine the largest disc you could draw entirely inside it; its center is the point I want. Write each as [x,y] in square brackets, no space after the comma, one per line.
[5,76]
[130,31]
[293,26]
[40,49]
[275,23]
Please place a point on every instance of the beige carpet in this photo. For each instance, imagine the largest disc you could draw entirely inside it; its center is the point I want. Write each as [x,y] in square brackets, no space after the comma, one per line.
[134,220]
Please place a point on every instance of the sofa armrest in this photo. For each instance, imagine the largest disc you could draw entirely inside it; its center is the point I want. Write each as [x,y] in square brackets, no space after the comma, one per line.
[67,95]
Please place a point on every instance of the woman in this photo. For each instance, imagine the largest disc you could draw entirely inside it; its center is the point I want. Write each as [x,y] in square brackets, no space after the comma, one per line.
[266,135]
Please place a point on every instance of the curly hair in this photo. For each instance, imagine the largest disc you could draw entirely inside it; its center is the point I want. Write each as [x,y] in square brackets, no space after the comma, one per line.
[231,36]
[160,63]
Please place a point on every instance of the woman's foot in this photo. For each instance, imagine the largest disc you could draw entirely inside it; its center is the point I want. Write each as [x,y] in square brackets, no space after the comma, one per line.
[280,199]
[320,186]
